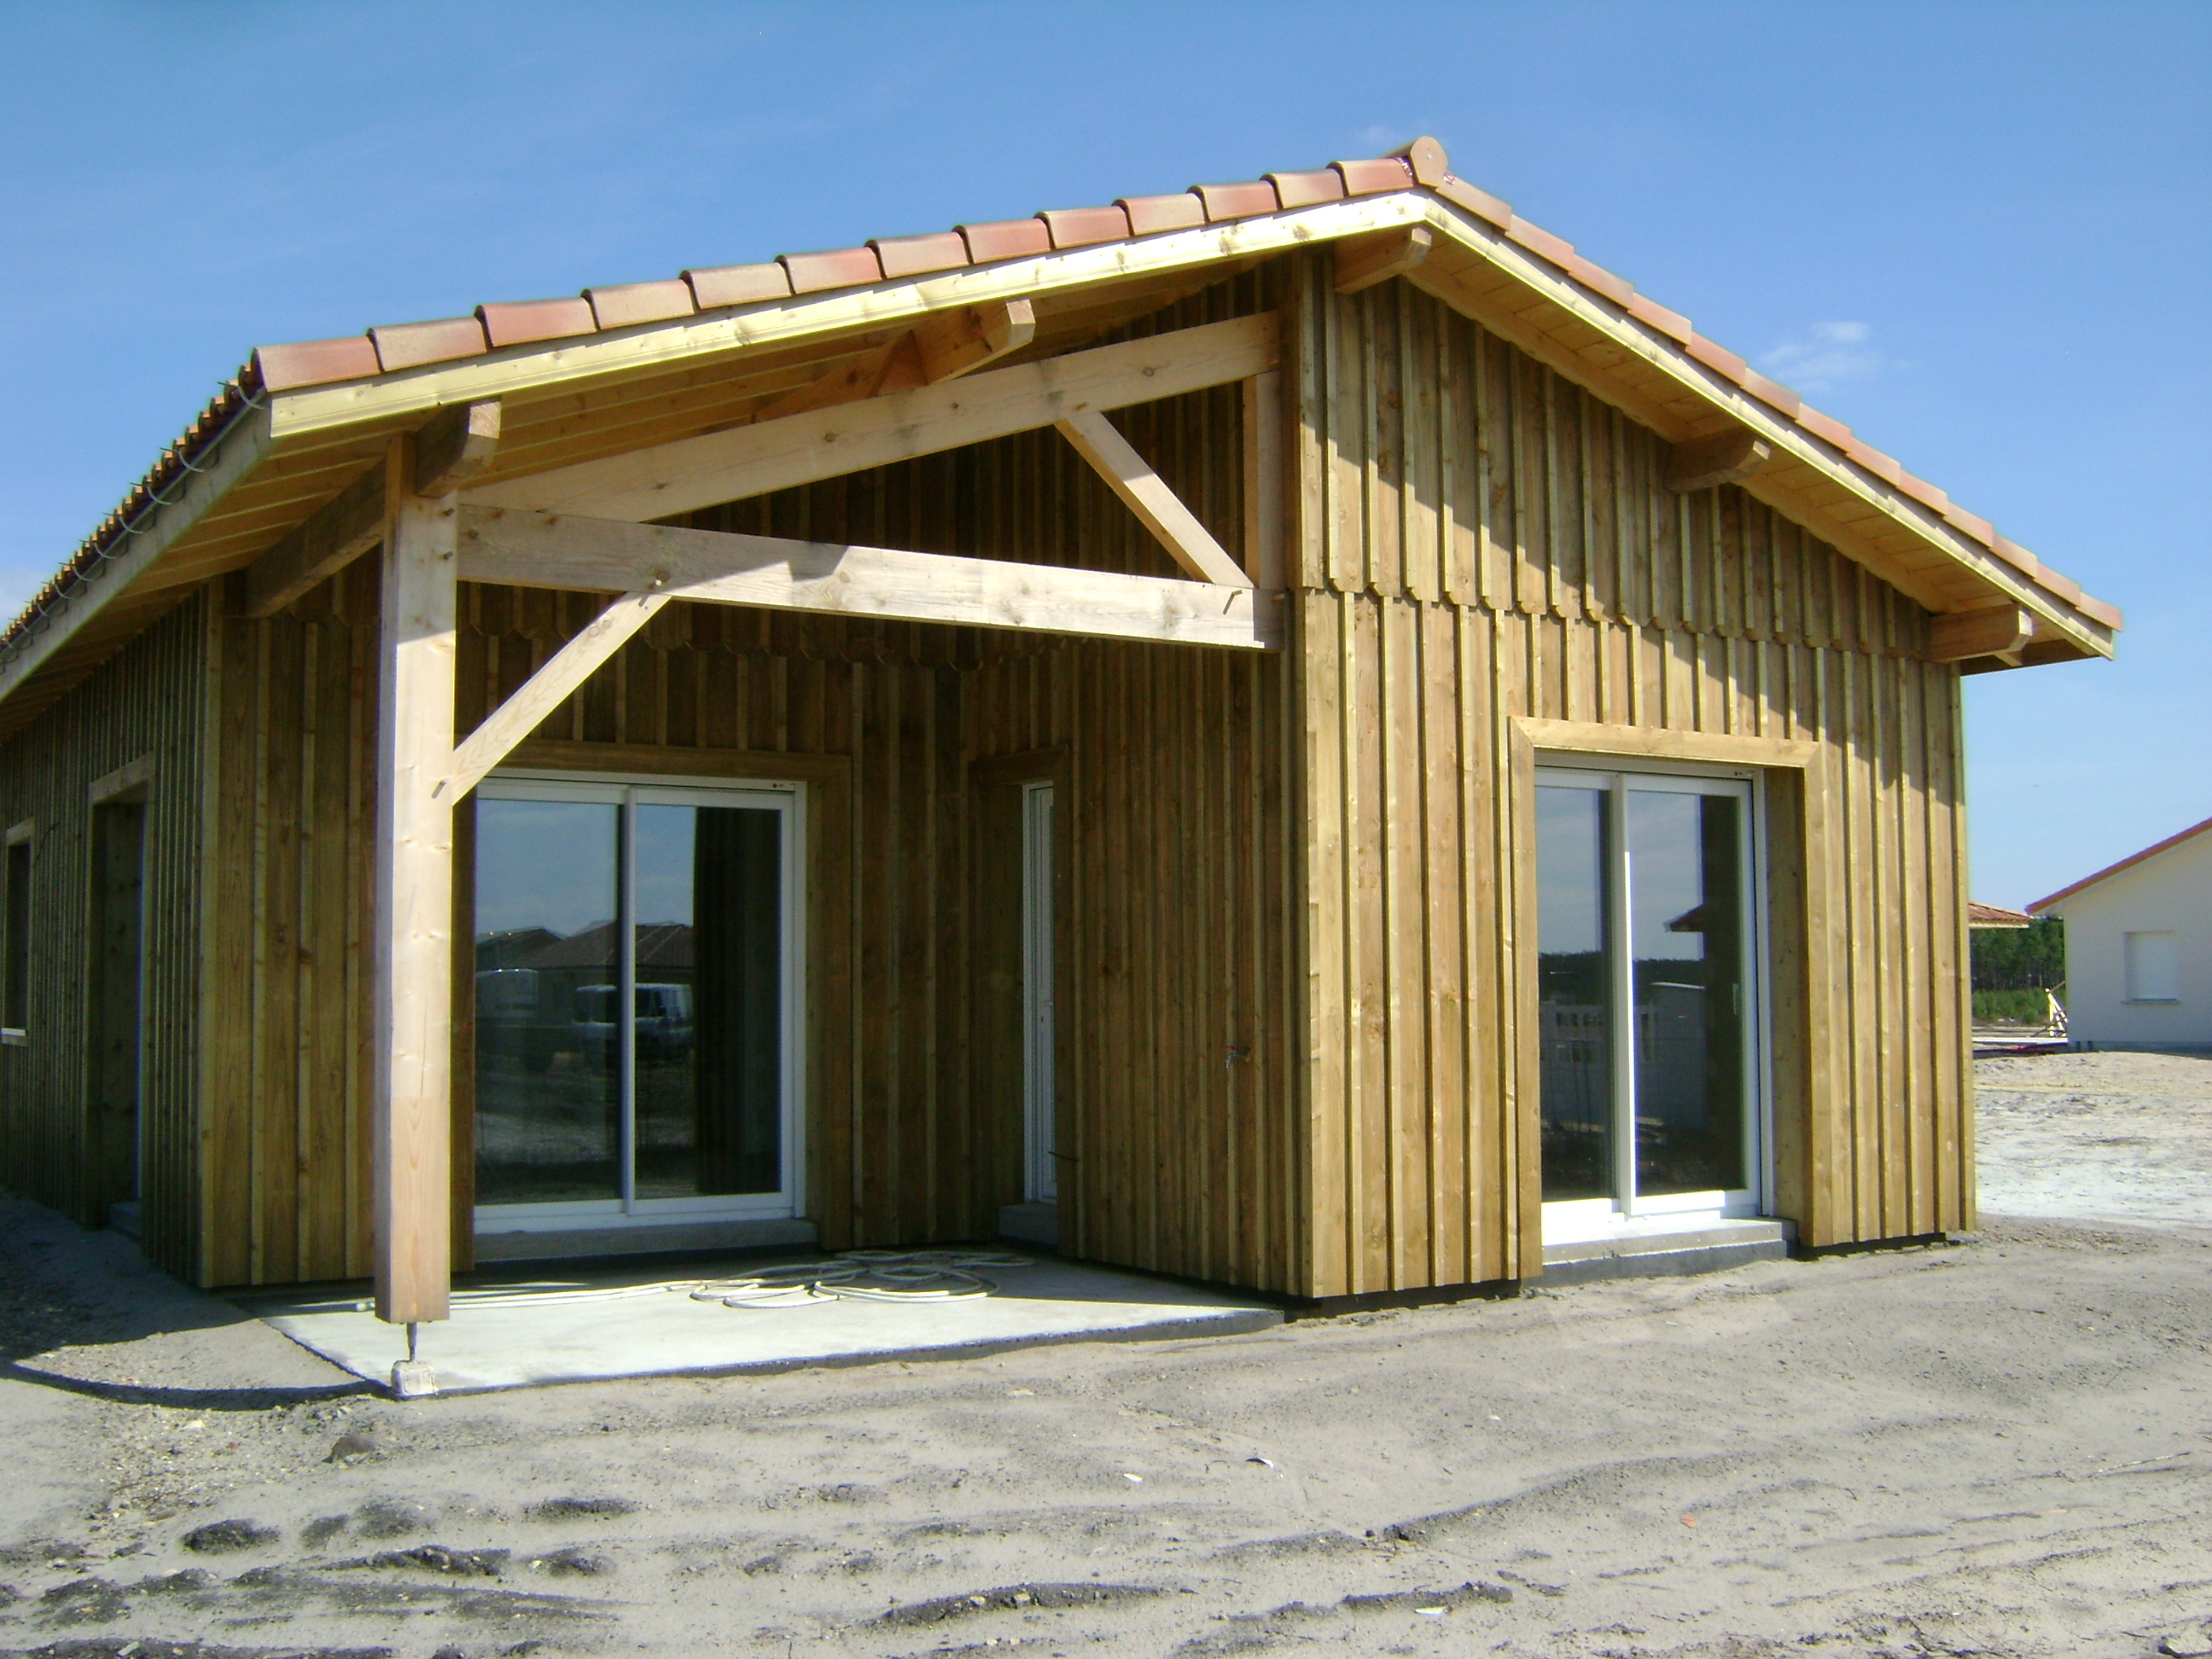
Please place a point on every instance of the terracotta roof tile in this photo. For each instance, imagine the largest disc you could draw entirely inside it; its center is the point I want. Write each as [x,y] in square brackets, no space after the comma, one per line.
[911,256]
[1717,358]
[519,322]
[844,267]
[408,345]
[2096,608]
[1671,323]
[315,362]
[1540,241]
[1599,280]
[1005,239]
[1824,426]
[1921,491]
[1422,163]
[640,302]
[1149,215]
[1874,460]
[2065,587]
[1238,201]
[1427,158]
[737,285]
[1772,392]
[1081,226]
[1373,178]
[1973,524]
[1297,190]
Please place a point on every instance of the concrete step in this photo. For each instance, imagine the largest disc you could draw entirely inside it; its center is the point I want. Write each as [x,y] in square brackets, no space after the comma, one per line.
[1707,1247]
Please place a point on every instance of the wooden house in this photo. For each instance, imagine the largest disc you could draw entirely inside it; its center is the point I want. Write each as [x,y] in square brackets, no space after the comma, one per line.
[1299,734]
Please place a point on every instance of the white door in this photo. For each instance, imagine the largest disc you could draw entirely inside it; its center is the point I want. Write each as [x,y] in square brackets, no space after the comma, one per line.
[1042,1185]
[1648,997]
[636,1001]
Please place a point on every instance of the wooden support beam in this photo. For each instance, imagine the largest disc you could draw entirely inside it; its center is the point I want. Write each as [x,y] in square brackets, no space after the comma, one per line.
[1130,476]
[751,460]
[562,677]
[1369,260]
[1725,458]
[530,550]
[895,366]
[1266,507]
[1996,632]
[961,342]
[412,945]
[458,444]
[333,536]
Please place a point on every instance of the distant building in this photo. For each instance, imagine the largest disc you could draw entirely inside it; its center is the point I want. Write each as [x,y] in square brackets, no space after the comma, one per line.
[2139,945]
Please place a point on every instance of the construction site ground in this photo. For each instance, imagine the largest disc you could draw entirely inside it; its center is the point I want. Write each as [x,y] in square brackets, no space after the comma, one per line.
[1996,1447]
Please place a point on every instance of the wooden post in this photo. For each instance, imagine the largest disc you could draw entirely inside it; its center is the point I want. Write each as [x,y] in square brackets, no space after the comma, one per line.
[412,1098]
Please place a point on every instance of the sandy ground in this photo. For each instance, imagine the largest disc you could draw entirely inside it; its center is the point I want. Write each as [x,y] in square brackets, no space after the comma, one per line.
[2106,1137]
[2001,1447]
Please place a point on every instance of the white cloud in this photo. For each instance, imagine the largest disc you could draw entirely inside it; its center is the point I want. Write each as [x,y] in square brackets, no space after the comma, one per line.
[1825,355]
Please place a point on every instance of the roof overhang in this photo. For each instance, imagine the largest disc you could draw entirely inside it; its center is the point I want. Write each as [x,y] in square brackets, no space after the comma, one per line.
[290,450]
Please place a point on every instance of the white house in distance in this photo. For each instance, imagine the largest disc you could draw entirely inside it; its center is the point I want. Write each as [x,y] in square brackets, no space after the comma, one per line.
[2139,945]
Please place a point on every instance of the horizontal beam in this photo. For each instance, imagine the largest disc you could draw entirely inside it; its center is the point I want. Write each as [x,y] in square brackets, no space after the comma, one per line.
[553,685]
[530,549]
[752,460]
[1146,494]
[333,536]
[1726,458]
[1992,632]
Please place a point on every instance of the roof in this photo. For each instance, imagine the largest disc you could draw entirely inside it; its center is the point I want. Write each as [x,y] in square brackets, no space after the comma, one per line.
[1996,915]
[306,389]
[2127,863]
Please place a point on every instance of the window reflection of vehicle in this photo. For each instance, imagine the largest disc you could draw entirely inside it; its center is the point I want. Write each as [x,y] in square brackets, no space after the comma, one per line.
[661,1021]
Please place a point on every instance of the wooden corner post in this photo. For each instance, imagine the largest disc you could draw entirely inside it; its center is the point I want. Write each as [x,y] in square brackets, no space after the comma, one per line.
[413,988]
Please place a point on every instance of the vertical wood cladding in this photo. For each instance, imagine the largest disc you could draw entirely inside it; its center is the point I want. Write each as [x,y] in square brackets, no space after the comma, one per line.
[141,710]
[1480,539]
[1296,915]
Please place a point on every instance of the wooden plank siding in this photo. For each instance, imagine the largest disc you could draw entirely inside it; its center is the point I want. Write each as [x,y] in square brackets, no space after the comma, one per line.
[1174,1005]
[1482,540]
[143,704]
[1296,909]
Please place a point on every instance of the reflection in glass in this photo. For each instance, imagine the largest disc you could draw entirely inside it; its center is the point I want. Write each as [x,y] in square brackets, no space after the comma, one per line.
[1687,926]
[1573,995]
[708,1025]
[548,1104]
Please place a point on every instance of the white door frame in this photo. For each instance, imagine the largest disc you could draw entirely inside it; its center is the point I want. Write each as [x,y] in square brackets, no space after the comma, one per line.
[628,791]
[1040,1111]
[1577,1219]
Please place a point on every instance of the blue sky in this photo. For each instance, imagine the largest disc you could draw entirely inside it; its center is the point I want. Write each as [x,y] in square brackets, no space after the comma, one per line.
[1978,234]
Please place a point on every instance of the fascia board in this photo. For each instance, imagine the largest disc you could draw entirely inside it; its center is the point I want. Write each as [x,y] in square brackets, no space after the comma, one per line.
[844,311]
[241,450]
[1491,245]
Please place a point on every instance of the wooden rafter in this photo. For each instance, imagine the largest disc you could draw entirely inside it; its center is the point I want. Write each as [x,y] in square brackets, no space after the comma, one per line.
[1368,261]
[600,556]
[1725,458]
[1997,632]
[751,460]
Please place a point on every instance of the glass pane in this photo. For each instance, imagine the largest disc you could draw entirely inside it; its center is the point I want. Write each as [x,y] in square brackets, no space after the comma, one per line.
[709,1001]
[1685,883]
[1573,995]
[549,1110]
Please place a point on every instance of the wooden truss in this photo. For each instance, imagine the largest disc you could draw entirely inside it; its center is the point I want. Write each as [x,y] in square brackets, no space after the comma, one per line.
[586,527]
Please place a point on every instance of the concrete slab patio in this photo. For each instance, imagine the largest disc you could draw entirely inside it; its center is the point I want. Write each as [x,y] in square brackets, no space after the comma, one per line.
[600,1322]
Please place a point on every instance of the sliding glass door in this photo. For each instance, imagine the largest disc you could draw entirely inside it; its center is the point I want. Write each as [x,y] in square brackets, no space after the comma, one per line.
[1647,994]
[635,993]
